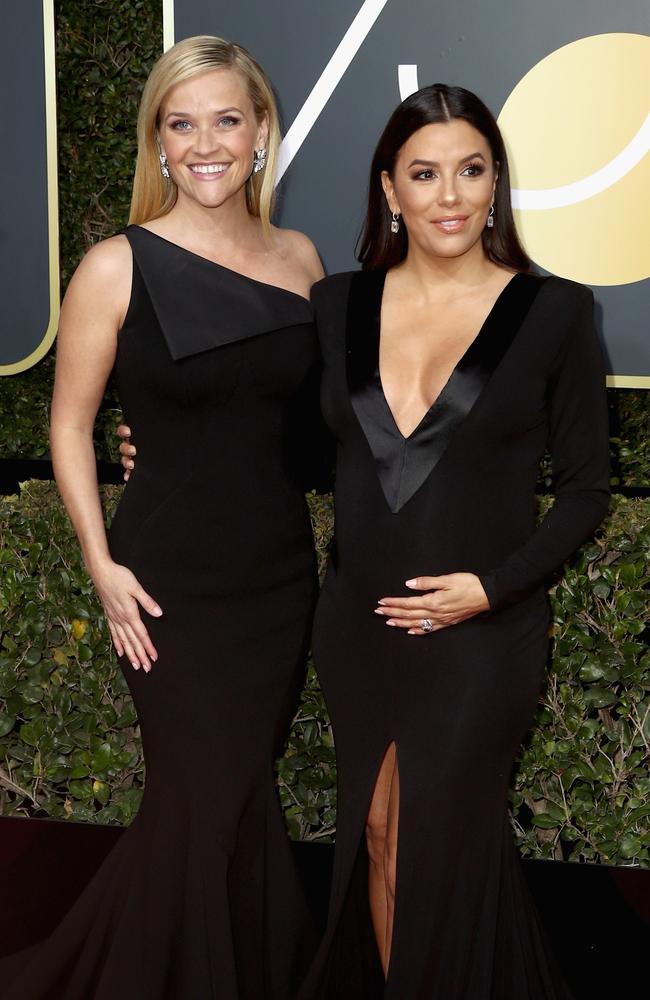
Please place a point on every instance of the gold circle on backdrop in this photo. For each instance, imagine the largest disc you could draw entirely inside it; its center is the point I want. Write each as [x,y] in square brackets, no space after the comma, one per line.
[577,129]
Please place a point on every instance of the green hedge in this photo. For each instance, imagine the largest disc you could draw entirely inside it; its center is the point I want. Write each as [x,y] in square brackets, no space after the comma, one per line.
[69,743]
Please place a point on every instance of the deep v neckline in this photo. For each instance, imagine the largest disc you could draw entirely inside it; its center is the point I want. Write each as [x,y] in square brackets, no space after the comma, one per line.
[458,363]
[403,464]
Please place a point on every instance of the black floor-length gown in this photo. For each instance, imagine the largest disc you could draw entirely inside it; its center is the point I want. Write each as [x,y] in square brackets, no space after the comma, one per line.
[200,899]
[457,495]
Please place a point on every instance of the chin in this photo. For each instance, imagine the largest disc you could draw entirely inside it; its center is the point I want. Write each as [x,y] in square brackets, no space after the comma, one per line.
[451,248]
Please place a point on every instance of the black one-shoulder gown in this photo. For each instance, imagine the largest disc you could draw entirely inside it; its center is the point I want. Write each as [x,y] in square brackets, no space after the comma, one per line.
[200,899]
[457,495]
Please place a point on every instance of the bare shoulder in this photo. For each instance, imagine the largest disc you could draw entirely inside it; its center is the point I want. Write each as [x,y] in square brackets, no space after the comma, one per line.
[103,278]
[300,252]
[109,260]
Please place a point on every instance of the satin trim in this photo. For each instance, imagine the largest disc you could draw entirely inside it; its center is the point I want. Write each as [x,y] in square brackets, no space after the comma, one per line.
[403,464]
[201,305]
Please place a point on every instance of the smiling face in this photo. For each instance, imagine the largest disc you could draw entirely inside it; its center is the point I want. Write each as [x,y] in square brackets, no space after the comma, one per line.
[443,185]
[209,132]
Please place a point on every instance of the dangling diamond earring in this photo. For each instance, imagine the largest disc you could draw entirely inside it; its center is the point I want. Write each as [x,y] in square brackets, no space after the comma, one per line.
[490,218]
[394,226]
[259,160]
[164,169]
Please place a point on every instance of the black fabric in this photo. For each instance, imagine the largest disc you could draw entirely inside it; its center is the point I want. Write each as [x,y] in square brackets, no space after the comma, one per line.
[458,702]
[403,463]
[201,305]
[200,898]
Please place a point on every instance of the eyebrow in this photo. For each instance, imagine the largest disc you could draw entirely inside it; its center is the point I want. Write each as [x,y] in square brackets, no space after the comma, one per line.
[187,114]
[434,163]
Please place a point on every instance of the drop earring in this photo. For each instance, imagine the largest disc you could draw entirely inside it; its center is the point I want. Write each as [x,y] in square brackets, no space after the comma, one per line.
[394,226]
[164,169]
[259,160]
[490,218]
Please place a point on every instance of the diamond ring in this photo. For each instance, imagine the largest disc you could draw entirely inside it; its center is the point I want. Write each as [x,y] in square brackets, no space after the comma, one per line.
[426,625]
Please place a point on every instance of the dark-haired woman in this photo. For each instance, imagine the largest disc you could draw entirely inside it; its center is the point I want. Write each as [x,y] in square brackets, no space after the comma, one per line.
[448,369]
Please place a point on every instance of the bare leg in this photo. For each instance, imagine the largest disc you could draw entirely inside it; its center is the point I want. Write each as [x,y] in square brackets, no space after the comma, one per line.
[381,837]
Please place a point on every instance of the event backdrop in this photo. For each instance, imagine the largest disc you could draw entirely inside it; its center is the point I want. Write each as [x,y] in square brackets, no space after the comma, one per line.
[570,82]
[29,245]
[569,79]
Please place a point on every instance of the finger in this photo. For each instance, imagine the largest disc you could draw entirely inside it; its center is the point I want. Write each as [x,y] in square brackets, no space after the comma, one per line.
[403,611]
[127,449]
[147,602]
[405,623]
[123,431]
[419,631]
[127,645]
[399,602]
[140,630]
[126,476]
[138,647]
[116,642]
[436,626]
[425,583]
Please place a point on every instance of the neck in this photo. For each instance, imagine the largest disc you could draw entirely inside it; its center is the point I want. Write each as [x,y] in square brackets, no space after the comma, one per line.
[445,277]
[227,226]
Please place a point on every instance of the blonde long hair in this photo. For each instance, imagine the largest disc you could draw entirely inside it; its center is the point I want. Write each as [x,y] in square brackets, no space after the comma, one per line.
[154,195]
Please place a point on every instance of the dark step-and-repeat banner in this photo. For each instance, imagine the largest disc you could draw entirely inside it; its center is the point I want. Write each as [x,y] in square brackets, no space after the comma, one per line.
[29,224]
[568,79]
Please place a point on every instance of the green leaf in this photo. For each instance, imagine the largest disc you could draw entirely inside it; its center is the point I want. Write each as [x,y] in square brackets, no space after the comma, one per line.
[599,697]
[7,723]
[545,821]
[630,846]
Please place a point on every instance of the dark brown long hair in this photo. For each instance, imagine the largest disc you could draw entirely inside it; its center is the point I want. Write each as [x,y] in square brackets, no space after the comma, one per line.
[378,247]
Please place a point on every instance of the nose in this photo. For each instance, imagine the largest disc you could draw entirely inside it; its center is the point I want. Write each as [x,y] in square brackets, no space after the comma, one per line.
[448,190]
[205,141]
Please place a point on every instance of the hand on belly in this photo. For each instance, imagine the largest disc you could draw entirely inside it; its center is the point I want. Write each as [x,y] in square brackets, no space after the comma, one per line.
[444,601]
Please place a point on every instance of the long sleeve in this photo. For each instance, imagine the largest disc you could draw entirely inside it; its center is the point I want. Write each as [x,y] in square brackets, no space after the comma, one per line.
[579,446]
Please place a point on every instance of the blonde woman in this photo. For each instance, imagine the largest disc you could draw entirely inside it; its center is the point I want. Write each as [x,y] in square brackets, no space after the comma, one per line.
[208,575]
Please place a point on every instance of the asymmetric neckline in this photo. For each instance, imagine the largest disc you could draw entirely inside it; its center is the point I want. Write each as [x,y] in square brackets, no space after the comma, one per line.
[201,305]
[222,267]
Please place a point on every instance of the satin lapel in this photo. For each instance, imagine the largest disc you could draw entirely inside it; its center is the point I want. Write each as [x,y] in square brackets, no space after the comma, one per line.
[201,305]
[364,385]
[404,464]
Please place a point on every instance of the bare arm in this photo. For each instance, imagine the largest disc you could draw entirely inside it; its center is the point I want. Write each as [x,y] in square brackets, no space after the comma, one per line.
[92,312]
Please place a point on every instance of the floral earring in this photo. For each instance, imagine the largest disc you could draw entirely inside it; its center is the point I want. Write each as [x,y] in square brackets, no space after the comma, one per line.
[259,160]
[164,169]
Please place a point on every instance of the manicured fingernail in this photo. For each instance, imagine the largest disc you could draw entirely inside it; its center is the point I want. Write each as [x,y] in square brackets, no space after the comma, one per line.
[136,666]
[157,612]
[379,611]
[411,631]
[391,622]
[411,583]
[382,601]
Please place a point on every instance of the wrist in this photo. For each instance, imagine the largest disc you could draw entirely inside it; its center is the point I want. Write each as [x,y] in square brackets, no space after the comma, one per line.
[97,563]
